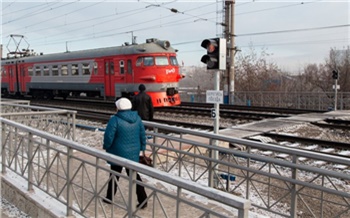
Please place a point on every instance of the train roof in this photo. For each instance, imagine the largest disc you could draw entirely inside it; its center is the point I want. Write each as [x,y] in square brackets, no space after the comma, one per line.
[151,46]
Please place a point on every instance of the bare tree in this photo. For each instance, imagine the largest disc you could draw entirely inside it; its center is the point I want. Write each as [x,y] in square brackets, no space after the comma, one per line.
[199,78]
[318,78]
[341,62]
[254,73]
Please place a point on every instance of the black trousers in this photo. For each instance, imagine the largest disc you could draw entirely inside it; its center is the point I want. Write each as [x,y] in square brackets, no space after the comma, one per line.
[140,190]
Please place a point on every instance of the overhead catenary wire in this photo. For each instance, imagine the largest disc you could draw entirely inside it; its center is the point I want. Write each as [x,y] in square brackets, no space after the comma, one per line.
[275,8]
[88,26]
[38,13]
[71,12]
[25,9]
[158,5]
[130,27]
[90,36]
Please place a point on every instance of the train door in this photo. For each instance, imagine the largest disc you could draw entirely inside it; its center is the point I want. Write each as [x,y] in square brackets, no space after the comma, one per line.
[129,74]
[21,81]
[109,78]
[12,78]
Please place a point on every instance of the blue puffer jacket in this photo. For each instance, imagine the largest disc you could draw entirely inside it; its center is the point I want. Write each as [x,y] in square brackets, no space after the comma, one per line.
[125,135]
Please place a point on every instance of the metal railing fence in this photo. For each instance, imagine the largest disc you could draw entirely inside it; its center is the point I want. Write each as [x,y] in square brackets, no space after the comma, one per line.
[270,176]
[55,121]
[77,176]
[297,100]
[271,181]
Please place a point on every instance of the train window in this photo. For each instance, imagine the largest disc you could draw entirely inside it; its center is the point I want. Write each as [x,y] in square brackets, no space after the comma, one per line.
[112,67]
[37,71]
[30,71]
[148,61]
[95,68]
[86,68]
[64,70]
[162,61]
[54,70]
[139,61]
[173,61]
[107,68]
[129,67]
[46,71]
[3,71]
[75,70]
[121,65]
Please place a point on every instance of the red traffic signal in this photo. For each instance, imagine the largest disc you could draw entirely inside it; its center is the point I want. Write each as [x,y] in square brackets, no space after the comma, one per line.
[215,59]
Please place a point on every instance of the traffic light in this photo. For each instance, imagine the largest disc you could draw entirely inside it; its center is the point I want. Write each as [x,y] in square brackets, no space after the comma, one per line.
[215,59]
[335,74]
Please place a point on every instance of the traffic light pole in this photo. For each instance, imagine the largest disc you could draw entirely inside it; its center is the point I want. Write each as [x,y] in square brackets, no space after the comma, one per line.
[335,76]
[217,105]
[335,94]
[213,181]
[215,59]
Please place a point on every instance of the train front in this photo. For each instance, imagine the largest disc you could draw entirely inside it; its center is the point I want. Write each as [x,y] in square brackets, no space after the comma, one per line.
[159,72]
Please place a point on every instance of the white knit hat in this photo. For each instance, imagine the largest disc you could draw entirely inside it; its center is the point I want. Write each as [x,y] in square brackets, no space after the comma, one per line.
[123,104]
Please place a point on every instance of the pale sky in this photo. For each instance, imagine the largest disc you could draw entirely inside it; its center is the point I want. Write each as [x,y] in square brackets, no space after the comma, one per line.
[295,33]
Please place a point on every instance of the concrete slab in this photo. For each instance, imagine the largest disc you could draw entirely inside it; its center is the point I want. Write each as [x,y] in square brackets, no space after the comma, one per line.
[312,117]
[256,128]
[339,113]
[268,125]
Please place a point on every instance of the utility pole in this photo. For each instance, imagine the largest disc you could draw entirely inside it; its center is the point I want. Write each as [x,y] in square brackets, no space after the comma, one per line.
[335,94]
[229,35]
[335,76]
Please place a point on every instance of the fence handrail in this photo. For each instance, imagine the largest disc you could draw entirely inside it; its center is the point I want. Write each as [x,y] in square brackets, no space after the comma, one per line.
[239,203]
[252,144]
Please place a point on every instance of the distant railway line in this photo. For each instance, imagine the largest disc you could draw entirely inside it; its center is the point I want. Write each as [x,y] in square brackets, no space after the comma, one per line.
[198,109]
[101,110]
[252,108]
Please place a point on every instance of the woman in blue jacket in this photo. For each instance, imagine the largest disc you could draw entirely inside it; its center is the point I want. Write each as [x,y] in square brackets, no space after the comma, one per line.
[125,137]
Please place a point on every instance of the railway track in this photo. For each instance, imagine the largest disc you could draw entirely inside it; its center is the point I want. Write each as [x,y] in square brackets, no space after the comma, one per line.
[311,141]
[187,109]
[341,149]
[253,108]
[104,117]
[303,143]
[203,110]
[334,123]
[227,114]
[337,149]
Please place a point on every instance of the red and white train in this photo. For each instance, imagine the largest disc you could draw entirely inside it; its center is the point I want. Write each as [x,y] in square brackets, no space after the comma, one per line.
[108,73]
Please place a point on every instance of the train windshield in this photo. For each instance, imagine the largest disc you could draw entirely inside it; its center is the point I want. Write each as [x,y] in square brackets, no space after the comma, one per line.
[173,61]
[158,61]
[162,61]
[148,61]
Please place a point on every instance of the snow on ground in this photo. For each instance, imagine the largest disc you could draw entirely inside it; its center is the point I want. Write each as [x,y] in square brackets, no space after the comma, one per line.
[11,210]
